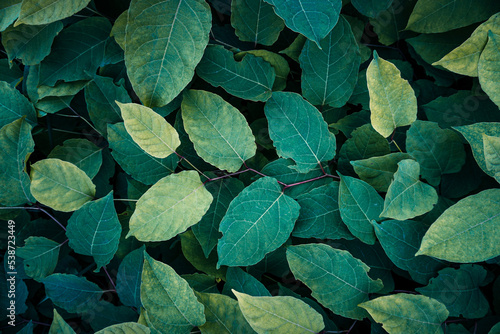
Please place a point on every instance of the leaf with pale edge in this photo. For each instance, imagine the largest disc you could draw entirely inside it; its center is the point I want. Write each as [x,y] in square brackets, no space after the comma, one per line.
[488,68]
[59,326]
[40,257]
[37,12]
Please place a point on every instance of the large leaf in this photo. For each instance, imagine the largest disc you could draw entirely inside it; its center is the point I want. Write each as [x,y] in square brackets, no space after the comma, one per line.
[489,67]
[280,314]
[291,123]
[392,100]
[241,281]
[337,279]
[258,221]
[9,12]
[404,313]
[59,326]
[82,153]
[36,12]
[219,132]
[168,208]
[459,236]
[371,8]
[13,105]
[40,257]
[162,51]
[60,185]
[330,71]
[128,279]
[492,155]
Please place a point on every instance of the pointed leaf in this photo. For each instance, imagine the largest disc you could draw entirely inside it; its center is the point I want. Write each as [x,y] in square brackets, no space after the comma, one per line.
[489,67]
[492,155]
[192,251]
[241,281]
[125,328]
[59,326]
[279,64]
[36,12]
[371,8]
[128,279]
[13,105]
[80,152]
[40,257]
[9,12]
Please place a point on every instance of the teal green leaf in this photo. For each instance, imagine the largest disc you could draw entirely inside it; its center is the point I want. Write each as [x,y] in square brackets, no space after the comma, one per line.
[407,196]
[279,314]
[82,153]
[76,52]
[252,78]
[241,281]
[10,73]
[60,185]
[313,19]
[59,326]
[94,230]
[132,158]
[9,12]
[106,314]
[459,236]
[219,132]
[330,71]
[13,105]
[169,207]
[401,240]
[255,21]
[404,313]
[371,8]
[458,290]
[359,204]
[40,257]
[279,64]
[358,29]
[170,303]
[223,315]
[72,293]
[125,328]
[291,123]
[258,221]
[27,329]
[149,130]
[202,283]
[389,24]
[437,151]
[349,123]
[492,155]
[320,216]
[392,100]
[36,12]
[128,279]
[192,251]
[29,43]
[162,51]
[495,329]
[337,279]
[489,67]
[16,144]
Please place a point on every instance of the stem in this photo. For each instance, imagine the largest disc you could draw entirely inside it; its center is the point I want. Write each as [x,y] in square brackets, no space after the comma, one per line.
[394,142]
[125,199]
[51,217]
[227,175]
[109,277]
[306,181]
[83,118]
[190,164]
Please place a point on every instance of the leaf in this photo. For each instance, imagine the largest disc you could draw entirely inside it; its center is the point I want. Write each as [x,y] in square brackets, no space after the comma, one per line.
[219,132]
[13,105]
[403,313]
[125,328]
[10,72]
[36,12]
[149,130]
[258,221]
[371,8]
[202,283]
[293,50]
[492,155]
[392,100]
[291,120]
[59,326]
[162,51]
[40,257]
[458,290]
[72,293]
[60,185]
[169,207]
[359,204]
[405,188]
[459,236]
[241,281]
[337,280]
[330,69]
[255,21]
[389,25]
[170,303]
[9,12]
[193,253]
[279,64]
[252,78]
[80,152]
[488,67]
[313,19]
[128,279]
[437,151]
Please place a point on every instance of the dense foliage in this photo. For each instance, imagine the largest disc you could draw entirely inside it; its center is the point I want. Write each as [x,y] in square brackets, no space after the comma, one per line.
[268,166]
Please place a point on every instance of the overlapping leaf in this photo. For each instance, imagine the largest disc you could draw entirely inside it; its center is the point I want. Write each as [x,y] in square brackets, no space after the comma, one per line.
[80,152]
[59,326]
[128,279]
[13,105]
[35,12]
[40,257]
[371,8]
[489,67]
[237,279]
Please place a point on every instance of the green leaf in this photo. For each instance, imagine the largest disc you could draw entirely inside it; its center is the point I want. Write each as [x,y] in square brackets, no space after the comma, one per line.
[258,221]
[255,21]
[106,314]
[9,12]
[128,279]
[293,50]
[437,151]
[16,144]
[40,257]
[405,313]
[219,132]
[459,236]
[170,303]
[392,100]
[162,51]
[492,155]
[337,279]
[94,230]
[10,72]
[60,185]
[13,105]
[313,19]
[72,293]
[168,208]
[291,120]
[125,328]
[359,204]
[149,130]
[202,283]
[400,201]
[80,152]
[37,12]
[192,251]
[371,8]
[489,67]
[458,290]
[241,281]
[279,314]
[252,78]
[279,64]
[59,326]
[330,71]
[389,24]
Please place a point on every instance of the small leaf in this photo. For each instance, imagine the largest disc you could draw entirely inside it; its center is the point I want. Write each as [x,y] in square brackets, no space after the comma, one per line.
[241,281]
[59,326]
[80,152]
[40,257]
[492,155]
[128,279]
[36,12]
[489,67]
[125,328]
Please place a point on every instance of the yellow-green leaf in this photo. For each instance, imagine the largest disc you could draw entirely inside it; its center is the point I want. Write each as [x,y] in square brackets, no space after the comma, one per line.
[492,155]
[125,328]
[59,326]
[37,12]
[488,68]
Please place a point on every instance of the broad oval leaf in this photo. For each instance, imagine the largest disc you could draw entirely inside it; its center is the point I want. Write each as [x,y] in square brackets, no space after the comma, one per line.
[60,185]
[128,279]
[162,51]
[59,326]
[125,328]
[241,281]
[169,207]
[40,257]
[219,132]
[37,12]
[258,221]
[13,105]
[82,153]
[489,66]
